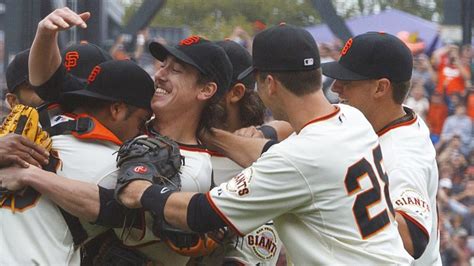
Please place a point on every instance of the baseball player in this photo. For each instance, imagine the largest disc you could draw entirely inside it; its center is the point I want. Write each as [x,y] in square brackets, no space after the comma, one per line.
[14,147]
[19,89]
[323,186]
[179,82]
[373,75]
[243,109]
[113,116]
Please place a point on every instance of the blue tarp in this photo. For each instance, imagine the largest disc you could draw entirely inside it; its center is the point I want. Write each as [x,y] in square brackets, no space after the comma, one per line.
[391,21]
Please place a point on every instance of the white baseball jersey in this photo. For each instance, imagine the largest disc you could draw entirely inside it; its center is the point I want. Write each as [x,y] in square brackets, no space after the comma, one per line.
[36,233]
[246,250]
[410,161]
[196,176]
[324,190]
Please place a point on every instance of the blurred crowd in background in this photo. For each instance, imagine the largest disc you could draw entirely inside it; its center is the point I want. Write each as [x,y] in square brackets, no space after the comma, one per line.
[442,94]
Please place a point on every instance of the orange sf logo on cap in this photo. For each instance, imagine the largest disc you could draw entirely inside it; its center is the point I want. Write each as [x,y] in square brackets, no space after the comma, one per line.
[70,60]
[190,40]
[94,74]
[347,46]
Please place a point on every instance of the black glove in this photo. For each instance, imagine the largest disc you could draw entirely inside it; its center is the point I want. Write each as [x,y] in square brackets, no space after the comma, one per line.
[156,159]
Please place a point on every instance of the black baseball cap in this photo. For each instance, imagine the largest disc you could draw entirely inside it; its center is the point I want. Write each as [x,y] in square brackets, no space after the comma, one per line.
[118,81]
[372,55]
[80,59]
[240,59]
[17,70]
[204,55]
[283,48]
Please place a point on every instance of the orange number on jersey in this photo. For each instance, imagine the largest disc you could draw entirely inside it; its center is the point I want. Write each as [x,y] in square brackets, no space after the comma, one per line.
[368,225]
[27,198]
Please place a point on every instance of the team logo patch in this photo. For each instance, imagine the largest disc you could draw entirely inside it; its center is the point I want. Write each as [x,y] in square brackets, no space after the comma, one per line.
[347,46]
[70,60]
[140,169]
[241,183]
[414,201]
[190,40]
[93,74]
[263,242]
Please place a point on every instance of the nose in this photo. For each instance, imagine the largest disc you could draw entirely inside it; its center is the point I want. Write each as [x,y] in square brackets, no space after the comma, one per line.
[160,74]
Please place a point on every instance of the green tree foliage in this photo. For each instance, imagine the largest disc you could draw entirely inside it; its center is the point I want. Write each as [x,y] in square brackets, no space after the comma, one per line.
[216,19]
[427,9]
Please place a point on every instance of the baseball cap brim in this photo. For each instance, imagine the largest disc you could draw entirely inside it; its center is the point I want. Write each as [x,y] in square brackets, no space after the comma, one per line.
[88,94]
[160,52]
[245,73]
[337,71]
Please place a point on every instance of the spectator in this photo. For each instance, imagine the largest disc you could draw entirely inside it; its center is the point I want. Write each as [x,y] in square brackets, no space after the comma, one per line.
[417,100]
[118,50]
[423,71]
[466,59]
[452,101]
[470,102]
[458,124]
[453,74]
[240,36]
[437,113]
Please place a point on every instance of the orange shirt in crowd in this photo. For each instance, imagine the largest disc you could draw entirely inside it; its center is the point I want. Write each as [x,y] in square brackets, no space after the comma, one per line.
[470,105]
[436,116]
[450,75]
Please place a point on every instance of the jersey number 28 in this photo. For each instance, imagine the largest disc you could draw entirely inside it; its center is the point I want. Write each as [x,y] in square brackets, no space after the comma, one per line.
[368,225]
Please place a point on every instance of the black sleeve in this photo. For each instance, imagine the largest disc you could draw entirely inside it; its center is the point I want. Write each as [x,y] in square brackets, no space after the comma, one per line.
[201,217]
[59,83]
[268,132]
[268,145]
[418,237]
[113,214]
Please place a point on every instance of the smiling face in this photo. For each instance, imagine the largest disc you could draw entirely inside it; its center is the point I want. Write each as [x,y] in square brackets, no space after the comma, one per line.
[176,87]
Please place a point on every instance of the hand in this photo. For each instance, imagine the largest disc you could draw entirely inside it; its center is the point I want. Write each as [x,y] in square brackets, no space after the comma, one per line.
[16,149]
[250,132]
[131,195]
[14,178]
[211,137]
[62,19]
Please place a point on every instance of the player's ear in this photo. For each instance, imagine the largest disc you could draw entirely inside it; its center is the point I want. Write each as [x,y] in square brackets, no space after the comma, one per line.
[236,93]
[118,111]
[272,84]
[383,88]
[11,100]
[207,91]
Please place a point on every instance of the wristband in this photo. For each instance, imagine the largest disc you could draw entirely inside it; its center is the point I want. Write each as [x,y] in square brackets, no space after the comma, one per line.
[154,199]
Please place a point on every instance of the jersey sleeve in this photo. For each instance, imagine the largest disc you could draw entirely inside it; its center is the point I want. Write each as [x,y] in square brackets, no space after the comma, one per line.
[409,195]
[270,187]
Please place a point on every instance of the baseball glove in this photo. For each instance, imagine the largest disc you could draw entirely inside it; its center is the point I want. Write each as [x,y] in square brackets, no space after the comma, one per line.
[24,120]
[156,159]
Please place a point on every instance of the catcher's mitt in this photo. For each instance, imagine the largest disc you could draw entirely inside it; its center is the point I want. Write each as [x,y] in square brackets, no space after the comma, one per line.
[24,120]
[156,159]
